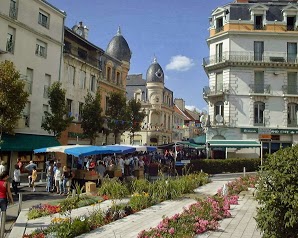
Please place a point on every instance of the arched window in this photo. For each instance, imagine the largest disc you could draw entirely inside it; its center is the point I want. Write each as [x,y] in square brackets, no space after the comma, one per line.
[118,78]
[259,108]
[109,72]
[219,109]
[292,114]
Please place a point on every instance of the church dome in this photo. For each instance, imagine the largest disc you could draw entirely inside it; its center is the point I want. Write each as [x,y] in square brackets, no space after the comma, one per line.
[118,48]
[155,73]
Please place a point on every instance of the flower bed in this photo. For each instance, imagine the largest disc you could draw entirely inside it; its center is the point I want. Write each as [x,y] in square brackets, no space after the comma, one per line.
[203,215]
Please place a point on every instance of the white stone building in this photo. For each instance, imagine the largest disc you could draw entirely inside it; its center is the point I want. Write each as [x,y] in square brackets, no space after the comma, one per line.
[33,40]
[252,71]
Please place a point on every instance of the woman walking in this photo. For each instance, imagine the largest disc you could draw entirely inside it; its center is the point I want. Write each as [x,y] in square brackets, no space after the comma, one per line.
[4,191]
[34,177]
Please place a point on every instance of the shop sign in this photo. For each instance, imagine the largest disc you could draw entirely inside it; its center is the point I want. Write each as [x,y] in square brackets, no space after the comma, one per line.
[272,131]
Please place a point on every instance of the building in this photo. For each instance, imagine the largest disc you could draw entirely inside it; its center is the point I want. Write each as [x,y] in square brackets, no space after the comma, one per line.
[88,68]
[35,45]
[157,100]
[252,71]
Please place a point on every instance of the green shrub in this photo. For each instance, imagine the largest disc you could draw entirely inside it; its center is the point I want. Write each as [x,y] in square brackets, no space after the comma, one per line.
[113,188]
[277,215]
[216,166]
[139,201]
[139,186]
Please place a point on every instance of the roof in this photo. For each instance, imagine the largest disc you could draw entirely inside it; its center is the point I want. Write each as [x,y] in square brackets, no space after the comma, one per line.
[133,83]
[118,48]
[26,142]
[155,73]
[233,143]
[179,111]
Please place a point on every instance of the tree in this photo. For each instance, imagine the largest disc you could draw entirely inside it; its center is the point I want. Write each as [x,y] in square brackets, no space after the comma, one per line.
[57,121]
[92,120]
[136,115]
[277,215]
[13,97]
[117,112]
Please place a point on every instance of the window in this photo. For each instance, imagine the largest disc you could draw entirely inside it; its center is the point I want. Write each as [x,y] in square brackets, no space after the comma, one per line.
[219,109]
[69,107]
[219,52]
[109,71]
[67,47]
[80,111]
[292,51]
[26,114]
[44,19]
[118,78]
[45,108]
[169,123]
[291,20]
[13,10]
[219,24]
[82,53]
[47,86]
[29,80]
[259,82]
[107,103]
[41,49]
[82,79]
[219,82]
[258,50]
[10,40]
[71,74]
[292,114]
[259,108]
[292,83]
[92,83]
[259,22]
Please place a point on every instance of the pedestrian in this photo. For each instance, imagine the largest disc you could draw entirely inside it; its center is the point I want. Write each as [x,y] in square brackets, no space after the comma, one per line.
[2,167]
[16,178]
[5,191]
[58,178]
[33,177]
[30,175]
[50,176]
[65,178]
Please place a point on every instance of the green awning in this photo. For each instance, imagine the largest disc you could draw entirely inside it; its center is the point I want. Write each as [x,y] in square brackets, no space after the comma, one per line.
[199,140]
[233,143]
[191,145]
[26,142]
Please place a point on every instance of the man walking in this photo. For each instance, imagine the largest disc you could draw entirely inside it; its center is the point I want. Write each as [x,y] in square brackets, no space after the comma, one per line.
[50,176]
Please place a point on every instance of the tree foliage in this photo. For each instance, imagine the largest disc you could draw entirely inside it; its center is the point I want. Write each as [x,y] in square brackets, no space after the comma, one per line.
[92,120]
[118,121]
[13,97]
[277,215]
[136,115]
[58,120]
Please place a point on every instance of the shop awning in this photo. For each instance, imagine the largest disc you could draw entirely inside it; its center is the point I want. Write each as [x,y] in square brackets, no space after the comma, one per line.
[199,140]
[191,145]
[26,142]
[233,143]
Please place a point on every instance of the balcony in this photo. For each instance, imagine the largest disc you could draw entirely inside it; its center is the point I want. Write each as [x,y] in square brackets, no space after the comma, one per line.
[259,89]
[290,90]
[219,29]
[213,91]
[251,58]
[82,55]
[292,122]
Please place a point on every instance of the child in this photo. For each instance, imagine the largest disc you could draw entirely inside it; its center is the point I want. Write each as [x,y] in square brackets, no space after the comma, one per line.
[34,177]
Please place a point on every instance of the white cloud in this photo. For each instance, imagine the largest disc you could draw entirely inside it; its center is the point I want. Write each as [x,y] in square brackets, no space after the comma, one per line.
[180,63]
[192,108]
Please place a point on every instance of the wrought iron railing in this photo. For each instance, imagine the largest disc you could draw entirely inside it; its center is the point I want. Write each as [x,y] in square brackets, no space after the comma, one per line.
[292,122]
[259,88]
[75,51]
[10,46]
[259,121]
[288,89]
[219,29]
[213,91]
[13,12]
[250,56]
[259,27]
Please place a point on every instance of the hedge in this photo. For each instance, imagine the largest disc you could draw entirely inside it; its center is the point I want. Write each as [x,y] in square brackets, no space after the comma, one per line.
[215,166]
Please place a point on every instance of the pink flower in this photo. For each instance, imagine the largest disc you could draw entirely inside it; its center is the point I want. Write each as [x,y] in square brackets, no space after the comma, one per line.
[171,230]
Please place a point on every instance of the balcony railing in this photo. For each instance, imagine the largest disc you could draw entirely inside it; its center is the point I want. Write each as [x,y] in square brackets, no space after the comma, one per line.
[213,91]
[250,56]
[82,55]
[288,89]
[259,88]
[219,29]
[259,27]
[292,122]
[13,12]
[10,46]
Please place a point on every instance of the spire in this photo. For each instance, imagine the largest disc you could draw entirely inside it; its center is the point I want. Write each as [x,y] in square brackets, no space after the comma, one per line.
[154,59]
[119,31]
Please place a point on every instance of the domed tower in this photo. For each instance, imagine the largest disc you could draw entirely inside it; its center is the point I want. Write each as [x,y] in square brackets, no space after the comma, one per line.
[155,84]
[118,48]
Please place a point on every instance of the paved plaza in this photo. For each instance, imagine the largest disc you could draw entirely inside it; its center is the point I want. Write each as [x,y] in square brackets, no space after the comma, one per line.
[241,224]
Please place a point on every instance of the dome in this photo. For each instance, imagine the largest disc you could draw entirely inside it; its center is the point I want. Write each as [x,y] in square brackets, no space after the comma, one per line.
[118,48]
[155,73]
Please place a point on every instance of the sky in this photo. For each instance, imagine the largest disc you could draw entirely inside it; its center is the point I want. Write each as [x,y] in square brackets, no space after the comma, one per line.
[174,31]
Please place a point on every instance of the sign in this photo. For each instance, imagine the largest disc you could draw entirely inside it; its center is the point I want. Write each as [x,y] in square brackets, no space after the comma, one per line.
[273,131]
[265,136]
[185,161]
[264,131]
